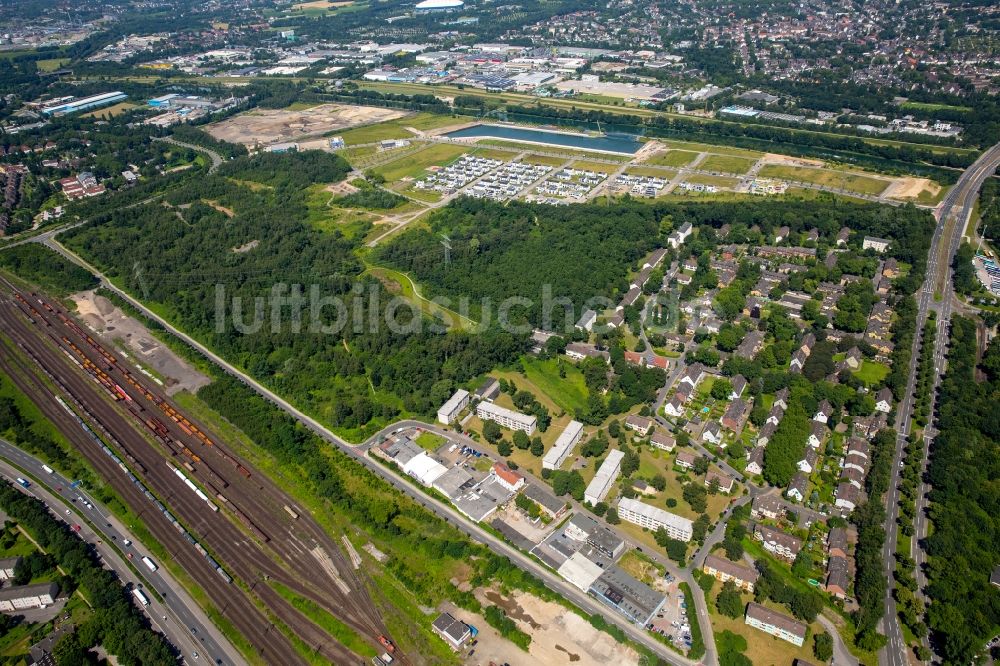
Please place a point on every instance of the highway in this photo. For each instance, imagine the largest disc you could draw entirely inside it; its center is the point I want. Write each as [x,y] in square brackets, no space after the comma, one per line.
[936,294]
[177,614]
[440,508]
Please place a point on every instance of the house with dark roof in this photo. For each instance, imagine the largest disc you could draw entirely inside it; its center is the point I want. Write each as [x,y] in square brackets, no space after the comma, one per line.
[808,463]
[798,487]
[453,631]
[847,496]
[736,415]
[776,624]
[883,400]
[836,542]
[837,577]
[766,506]
[776,542]
[755,461]
[723,570]
[739,383]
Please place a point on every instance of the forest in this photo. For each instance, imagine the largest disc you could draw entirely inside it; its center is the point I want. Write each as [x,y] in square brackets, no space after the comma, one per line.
[498,251]
[183,254]
[964,545]
[520,250]
[116,623]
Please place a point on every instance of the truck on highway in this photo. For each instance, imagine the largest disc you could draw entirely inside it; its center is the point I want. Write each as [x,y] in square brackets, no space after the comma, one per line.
[48,470]
[150,564]
[23,482]
[140,597]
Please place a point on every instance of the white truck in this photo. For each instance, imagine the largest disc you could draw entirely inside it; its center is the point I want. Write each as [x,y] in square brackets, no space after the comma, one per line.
[140,597]
[150,564]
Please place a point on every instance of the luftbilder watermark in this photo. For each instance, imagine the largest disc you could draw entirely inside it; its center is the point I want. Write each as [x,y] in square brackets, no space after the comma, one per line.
[295,308]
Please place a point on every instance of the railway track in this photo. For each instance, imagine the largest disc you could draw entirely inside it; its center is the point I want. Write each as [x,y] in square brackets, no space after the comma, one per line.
[237,609]
[274,544]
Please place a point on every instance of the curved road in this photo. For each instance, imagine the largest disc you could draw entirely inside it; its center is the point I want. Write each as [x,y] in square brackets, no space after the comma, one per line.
[177,614]
[212,155]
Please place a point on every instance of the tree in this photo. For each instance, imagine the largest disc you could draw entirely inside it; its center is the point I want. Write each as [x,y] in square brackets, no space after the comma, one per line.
[521,439]
[701,465]
[823,646]
[492,432]
[600,508]
[659,482]
[537,448]
[504,448]
[721,388]
[696,496]
[612,516]
[700,527]
[729,602]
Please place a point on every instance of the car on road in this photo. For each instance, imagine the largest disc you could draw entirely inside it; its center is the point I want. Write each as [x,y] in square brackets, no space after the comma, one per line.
[76,528]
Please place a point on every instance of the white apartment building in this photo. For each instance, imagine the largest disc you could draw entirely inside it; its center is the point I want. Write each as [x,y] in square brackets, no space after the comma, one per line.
[653,518]
[569,437]
[449,411]
[606,475]
[508,418]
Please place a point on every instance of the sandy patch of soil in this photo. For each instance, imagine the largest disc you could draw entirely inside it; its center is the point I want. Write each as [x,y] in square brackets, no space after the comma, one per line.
[152,357]
[266,126]
[910,188]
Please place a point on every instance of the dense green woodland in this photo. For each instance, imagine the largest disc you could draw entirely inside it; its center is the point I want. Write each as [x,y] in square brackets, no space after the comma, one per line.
[176,254]
[183,251]
[586,251]
[964,545]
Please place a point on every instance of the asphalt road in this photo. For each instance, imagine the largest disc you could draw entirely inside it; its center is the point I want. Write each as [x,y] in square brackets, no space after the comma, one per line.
[443,510]
[177,613]
[953,216]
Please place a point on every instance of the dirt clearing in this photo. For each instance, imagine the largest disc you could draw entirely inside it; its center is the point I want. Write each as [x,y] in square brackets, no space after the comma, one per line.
[267,126]
[771,158]
[558,636]
[911,188]
[153,358]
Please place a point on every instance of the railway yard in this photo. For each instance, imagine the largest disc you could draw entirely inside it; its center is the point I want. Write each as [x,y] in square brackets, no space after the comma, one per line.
[195,495]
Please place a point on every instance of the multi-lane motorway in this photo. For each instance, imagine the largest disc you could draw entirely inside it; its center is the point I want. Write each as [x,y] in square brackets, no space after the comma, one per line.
[935,294]
[962,196]
[177,616]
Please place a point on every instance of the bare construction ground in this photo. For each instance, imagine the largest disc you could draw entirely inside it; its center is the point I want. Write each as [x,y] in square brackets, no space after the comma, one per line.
[267,126]
[558,636]
[911,188]
[158,360]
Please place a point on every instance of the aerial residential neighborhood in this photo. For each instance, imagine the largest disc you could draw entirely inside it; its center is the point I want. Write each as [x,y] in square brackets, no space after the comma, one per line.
[450,332]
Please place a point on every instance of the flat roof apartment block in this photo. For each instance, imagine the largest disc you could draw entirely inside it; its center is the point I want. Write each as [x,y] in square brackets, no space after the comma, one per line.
[649,516]
[508,418]
[606,475]
[569,437]
[449,411]
[23,597]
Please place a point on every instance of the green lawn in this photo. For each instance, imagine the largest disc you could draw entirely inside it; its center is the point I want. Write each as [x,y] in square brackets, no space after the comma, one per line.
[727,164]
[414,164]
[430,441]
[396,129]
[847,180]
[566,388]
[871,373]
[673,158]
